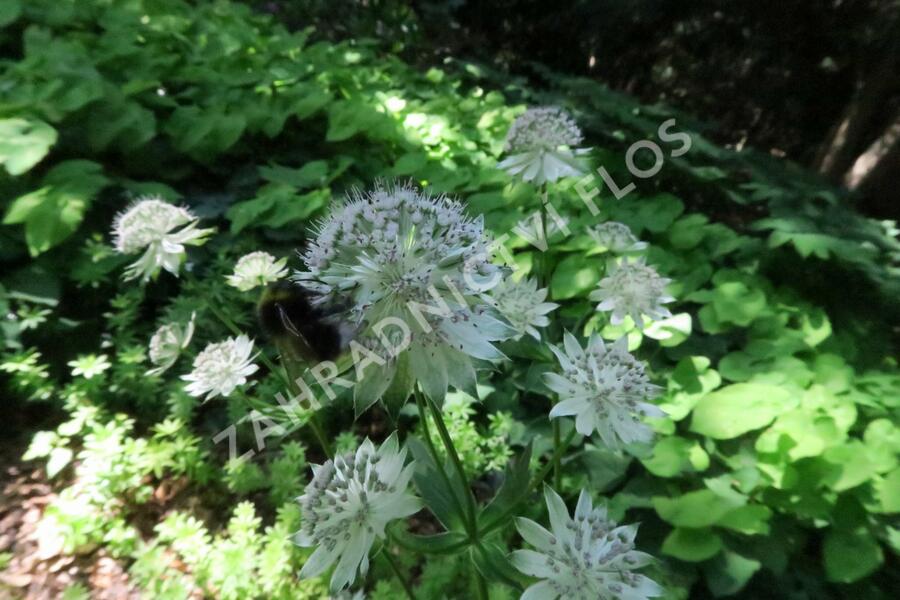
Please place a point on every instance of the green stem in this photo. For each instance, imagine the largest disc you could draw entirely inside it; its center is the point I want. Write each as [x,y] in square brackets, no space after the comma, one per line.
[396,569]
[543,275]
[538,479]
[290,367]
[457,464]
[313,421]
[557,456]
[480,585]
[439,461]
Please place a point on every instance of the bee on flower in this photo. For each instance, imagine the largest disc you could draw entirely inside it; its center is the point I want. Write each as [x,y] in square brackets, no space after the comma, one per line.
[541,146]
[161,231]
[412,270]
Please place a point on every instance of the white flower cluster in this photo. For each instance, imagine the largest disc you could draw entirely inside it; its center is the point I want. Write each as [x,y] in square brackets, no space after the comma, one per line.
[543,128]
[605,388]
[523,305]
[616,237]
[347,505]
[541,146]
[221,368]
[634,289]
[584,558]
[167,343]
[161,231]
[396,255]
[256,269]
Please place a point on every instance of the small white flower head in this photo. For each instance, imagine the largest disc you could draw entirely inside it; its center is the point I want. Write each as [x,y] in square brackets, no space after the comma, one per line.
[634,289]
[256,269]
[167,343]
[89,366]
[347,505]
[399,259]
[523,305]
[161,231]
[616,237]
[541,146]
[587,557]
[221,368]
[605,388]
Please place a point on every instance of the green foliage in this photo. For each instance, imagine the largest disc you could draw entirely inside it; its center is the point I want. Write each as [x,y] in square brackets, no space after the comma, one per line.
[777,462]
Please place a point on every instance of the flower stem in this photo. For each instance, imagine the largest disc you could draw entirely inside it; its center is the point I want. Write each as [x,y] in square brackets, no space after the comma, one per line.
[480,585]
[471,514]
[396,569]
[439,461]
[545,280]
[557,456]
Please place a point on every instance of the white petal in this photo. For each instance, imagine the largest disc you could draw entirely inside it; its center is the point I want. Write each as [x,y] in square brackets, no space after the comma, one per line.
[531,563]
[534,534]
[541,590]
[559,514]
[320,560]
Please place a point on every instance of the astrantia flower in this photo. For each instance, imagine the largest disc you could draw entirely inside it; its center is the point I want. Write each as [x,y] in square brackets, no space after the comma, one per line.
[161,231]
[605,389]
[256,269]
[167,343]
[582,558]
[398,257]
[541,146]
[522,304]
[634,289]
[221,368]
[615,237]
[347,506]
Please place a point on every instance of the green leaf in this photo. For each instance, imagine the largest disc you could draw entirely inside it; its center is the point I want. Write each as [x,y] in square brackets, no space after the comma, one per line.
[850,556]
[438,497]
[313,98]
[674,455]
[736,409]
[442,543]
[24,142]
[515,486]
[752,519]
[347,118]
[312,174]
[9,12]
[855,465]
[700,508]
[729,572]
[59,458]
[491,561]
[573,276]
[692,545]
[670,331]
[53,212]
[410,163]
[888,492]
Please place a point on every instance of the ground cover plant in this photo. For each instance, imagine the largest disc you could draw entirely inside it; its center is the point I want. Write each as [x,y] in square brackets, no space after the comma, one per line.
[293,318]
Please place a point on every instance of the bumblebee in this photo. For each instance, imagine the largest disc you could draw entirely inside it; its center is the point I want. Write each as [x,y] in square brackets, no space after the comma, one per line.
[289,314]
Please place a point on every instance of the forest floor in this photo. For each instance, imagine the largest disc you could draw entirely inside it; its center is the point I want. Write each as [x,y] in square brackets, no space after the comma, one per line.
[35,564]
